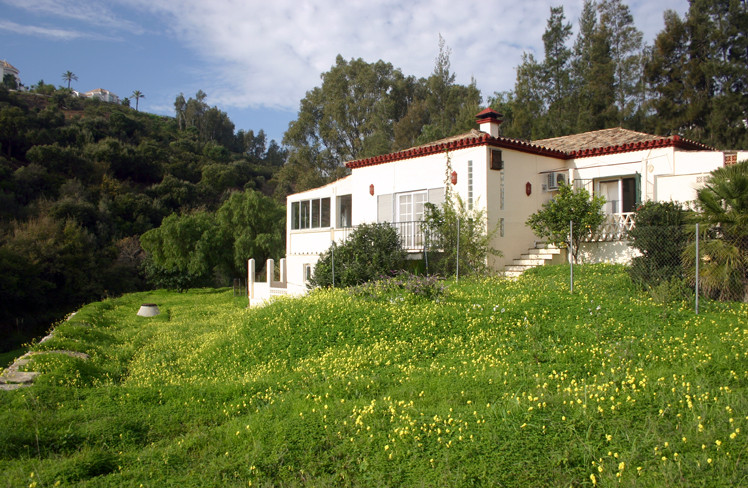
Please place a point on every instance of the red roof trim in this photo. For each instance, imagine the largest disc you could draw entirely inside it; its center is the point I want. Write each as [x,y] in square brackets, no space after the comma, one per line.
[466,142]
[527,147]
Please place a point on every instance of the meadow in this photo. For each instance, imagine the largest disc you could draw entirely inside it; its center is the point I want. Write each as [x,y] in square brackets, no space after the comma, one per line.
[493,383]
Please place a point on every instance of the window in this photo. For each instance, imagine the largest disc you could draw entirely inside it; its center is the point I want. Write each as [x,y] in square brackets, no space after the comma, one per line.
[410,206]
[307,272]
[344,211]
[621,194]
[496,162]
[312,214]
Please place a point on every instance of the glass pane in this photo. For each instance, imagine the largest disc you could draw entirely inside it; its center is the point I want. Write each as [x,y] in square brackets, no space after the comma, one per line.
[629,195]
[304,215]
[609,190]
[345,207]
[418,200]
[295,215]
[325,212]
[315,213]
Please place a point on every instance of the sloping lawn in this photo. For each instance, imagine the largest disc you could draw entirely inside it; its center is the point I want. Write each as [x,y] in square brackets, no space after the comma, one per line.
[498,383]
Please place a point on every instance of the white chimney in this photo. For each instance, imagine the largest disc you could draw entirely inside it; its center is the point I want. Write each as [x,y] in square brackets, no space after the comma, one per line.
[489,121]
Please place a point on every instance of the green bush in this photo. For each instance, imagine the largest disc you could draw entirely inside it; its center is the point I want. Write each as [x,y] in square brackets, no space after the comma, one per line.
[373,251]
[660,237]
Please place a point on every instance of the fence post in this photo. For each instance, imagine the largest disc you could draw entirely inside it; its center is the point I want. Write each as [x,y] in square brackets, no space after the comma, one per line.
[571,256]
[458,251]
[250,280]
[697,269]
[332,260]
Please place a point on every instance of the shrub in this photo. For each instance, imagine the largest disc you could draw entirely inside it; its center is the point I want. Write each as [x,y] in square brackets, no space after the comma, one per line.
[404,284]
[660,237]
[372,251]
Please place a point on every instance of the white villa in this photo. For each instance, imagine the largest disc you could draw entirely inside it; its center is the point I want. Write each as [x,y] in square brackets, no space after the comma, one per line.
[8,69]
[510,179]
[101,94]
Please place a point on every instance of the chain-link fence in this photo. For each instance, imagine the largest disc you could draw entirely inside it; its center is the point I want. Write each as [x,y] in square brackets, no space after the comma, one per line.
[684,261]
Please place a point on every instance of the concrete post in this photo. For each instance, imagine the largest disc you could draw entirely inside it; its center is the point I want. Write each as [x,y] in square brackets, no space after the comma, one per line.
[270,270]
[283,270]
[251,279]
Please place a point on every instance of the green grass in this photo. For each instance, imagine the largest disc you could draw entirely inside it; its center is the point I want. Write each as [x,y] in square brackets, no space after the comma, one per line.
[500,383]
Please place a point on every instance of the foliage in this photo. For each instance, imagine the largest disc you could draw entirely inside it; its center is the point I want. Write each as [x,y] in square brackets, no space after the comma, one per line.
[698,73]
[372,251]
[251,226]
[183,251]
[660,236]
[115,173]
[456,234]
[568,205]
[403,286]
[723,247]
[355,392]
[366,109]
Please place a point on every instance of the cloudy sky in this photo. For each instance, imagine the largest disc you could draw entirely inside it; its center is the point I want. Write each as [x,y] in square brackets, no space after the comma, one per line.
[256,60]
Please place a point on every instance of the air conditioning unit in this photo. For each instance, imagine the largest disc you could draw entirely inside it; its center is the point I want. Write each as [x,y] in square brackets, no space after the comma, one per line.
[555,180]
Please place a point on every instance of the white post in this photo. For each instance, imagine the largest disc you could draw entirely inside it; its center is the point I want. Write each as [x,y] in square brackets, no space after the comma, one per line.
[251,279]
[270,270]
[283,270]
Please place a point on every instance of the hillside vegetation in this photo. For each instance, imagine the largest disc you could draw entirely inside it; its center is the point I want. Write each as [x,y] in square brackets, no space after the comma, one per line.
[81,180]
[496,383]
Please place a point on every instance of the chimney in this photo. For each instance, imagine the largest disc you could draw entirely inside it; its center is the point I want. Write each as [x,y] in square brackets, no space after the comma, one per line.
[489,121]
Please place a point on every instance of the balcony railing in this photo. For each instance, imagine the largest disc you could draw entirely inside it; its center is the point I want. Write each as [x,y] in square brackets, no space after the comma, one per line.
[410,232]
[615,228]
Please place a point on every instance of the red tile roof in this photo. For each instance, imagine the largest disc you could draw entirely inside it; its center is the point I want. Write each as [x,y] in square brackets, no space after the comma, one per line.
[594,143]
[616,140]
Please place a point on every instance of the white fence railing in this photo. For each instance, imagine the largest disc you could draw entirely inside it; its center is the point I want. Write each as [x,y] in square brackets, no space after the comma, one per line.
[615,228]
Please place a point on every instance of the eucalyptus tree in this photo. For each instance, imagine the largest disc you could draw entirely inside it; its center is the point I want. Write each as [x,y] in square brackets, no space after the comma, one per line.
[625,41]
[351,115]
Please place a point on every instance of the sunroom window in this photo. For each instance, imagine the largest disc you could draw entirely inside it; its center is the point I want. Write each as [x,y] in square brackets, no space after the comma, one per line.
[312,214]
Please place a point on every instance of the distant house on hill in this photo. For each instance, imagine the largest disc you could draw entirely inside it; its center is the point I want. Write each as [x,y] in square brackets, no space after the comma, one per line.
[9,69]
[509,179]
[102,94]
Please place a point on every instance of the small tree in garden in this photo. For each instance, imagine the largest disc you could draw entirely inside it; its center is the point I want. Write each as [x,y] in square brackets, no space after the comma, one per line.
[551,222]
[456,232]
[660,237]
[371,252]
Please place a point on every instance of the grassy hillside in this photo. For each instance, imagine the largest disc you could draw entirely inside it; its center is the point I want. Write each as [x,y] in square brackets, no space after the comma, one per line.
[498,383]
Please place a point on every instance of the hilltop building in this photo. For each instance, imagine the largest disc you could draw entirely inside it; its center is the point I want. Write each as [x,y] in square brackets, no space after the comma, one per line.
[509,179]
[102,94]
[9,69]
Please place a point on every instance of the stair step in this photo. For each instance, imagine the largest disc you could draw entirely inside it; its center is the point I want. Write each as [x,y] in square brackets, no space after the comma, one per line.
[528,262]
[532,255]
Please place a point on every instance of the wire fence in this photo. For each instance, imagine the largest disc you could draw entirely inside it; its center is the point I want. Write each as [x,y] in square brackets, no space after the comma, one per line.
[677,262]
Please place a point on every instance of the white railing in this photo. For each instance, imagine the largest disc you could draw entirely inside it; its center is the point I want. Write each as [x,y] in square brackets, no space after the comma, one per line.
[615,228]
[410,232]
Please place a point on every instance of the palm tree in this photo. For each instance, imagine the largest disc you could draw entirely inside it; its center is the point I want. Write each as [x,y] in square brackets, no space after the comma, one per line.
[723,263]
[69,76]
[137,95]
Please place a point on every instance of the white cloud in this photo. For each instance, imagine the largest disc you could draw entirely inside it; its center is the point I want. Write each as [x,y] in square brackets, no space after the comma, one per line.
[86,11]
[254,53]
[57,34]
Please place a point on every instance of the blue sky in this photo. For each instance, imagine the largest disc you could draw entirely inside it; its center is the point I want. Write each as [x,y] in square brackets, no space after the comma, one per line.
[256,60]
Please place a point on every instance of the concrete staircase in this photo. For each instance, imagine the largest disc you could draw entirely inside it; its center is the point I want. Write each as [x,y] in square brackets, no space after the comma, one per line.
[542,253]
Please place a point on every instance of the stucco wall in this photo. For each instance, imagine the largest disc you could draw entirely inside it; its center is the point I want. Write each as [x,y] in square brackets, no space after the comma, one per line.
[519,169]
